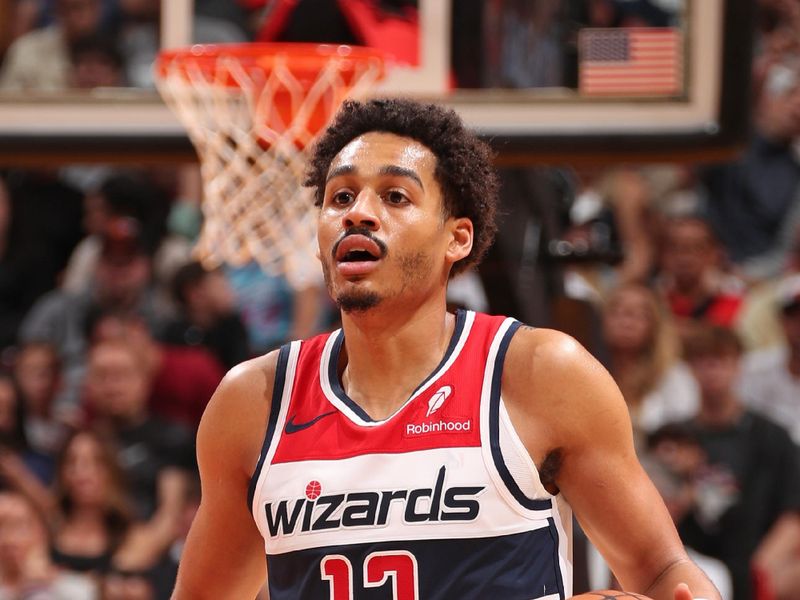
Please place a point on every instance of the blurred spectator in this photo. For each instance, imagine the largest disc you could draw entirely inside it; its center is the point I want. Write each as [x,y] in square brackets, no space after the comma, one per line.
[776,571]
[139,36]
[180,380]
[93,512]
[24,271]
[23,16]
[21,468]
[677,490]
[134,196]
[40,59]
[776,568]
[691,279]
[754,202]
[644,351]
[157,581]
[611,230]
[121,282]
[272,311]
[760,324]
[37,372]
[770,381]
[96,61]
[524,44]
[51,211]
[26,569]
[150,450]
[94,527]
[673,461]
[120,585]
[753,476]
[208,316]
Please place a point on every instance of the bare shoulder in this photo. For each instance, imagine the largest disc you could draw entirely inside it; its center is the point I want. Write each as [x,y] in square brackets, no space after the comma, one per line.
[556,388]
[235,419]
[550,361]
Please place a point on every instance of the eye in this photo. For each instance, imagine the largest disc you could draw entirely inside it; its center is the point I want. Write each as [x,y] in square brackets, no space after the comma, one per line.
[342,197]
[395,197]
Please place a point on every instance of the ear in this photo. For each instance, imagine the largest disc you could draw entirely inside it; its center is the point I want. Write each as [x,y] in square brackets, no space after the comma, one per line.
[460,244]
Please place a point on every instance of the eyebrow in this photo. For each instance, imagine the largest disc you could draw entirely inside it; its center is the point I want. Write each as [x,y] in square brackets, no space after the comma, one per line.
[401,172]
[394,170]
[341,170]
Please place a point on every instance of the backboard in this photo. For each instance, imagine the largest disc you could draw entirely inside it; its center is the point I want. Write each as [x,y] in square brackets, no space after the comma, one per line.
[520,73]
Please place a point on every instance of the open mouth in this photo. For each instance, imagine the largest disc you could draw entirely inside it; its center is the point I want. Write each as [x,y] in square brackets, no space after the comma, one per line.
[358,248]
[357,256]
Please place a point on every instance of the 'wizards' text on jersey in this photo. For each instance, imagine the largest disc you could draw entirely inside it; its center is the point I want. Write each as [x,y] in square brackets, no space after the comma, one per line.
[441,500]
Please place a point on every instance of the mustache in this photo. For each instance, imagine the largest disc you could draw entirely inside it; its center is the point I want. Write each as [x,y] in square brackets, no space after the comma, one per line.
[366,232]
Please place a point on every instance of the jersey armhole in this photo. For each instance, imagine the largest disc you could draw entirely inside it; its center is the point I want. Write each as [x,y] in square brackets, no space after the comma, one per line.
[494,419]
[278,397]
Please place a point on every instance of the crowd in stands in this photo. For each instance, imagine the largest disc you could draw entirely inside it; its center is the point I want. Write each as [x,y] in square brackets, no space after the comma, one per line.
[113,339]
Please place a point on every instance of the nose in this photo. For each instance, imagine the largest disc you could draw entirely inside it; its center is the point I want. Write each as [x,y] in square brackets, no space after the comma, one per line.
[363,212]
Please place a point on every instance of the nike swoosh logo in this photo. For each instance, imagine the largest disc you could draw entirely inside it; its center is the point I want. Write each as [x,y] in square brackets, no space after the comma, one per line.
[292,427]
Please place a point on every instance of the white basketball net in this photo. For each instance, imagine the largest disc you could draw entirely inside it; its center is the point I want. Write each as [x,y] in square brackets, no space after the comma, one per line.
[253,158]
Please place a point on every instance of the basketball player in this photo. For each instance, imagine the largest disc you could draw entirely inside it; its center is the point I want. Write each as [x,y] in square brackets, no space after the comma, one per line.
[416,453]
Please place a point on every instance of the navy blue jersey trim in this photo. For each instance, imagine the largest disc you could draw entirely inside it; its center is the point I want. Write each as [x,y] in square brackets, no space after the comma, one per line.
[461,318]
[336,385]
[274,411]
[556,539]
[494,426]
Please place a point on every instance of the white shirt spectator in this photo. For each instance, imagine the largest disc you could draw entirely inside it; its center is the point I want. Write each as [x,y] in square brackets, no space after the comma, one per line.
[675,398]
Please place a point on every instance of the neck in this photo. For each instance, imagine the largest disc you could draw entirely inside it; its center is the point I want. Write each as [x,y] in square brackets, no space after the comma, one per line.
[720,411]
[408,344]
[86,516]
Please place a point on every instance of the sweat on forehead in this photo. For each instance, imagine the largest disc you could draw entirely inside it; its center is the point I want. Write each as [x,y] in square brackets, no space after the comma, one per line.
[392,155]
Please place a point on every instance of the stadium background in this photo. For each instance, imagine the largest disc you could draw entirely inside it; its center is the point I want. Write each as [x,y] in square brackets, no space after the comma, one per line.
[646,219]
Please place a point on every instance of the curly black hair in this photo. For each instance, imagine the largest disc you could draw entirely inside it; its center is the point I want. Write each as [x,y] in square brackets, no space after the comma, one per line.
[463,162]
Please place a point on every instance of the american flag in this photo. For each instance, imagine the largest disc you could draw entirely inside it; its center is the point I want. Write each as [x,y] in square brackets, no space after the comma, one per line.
[641,61]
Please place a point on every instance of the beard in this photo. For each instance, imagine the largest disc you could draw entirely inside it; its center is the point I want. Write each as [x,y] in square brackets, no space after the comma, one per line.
[413,268]
[357,301]
[352,300]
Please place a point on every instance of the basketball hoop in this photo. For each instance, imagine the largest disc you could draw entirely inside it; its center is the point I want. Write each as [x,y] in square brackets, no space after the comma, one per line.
[252,111]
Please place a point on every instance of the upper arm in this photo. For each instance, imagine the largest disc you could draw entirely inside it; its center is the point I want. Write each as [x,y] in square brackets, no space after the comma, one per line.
[224,554]
[559,397]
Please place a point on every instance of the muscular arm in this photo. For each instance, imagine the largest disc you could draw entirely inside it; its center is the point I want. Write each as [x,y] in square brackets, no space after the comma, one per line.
[224,554]
[560,398]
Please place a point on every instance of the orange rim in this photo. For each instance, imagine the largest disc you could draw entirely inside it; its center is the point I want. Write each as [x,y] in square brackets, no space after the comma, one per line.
[301,58]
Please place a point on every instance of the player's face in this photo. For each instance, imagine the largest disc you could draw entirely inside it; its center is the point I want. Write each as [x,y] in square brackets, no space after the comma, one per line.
[382,230]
